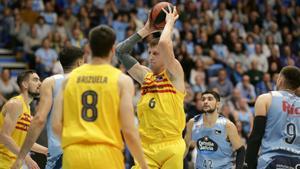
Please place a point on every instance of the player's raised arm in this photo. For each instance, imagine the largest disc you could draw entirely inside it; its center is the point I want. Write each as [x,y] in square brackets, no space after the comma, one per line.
[123,53]
[128,128]
[165,48]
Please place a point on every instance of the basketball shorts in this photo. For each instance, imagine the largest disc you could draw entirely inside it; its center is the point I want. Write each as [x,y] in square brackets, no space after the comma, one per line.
[279,162]
[164,155]
[97,156]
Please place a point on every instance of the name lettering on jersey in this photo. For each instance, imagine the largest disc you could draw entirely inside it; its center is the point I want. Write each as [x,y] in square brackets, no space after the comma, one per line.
[207,145]
[92,79]
[290,109]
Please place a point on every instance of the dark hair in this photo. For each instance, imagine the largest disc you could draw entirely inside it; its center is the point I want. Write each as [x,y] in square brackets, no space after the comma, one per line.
[24,76]
[101,40]
[291,76]
[215,94]
[153,42]
[69,55]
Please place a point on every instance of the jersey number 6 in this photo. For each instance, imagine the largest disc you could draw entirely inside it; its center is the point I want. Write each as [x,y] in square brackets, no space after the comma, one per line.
[89,106]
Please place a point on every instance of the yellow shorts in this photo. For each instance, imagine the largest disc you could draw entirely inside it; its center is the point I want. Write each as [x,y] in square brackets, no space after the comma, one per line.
[165,155]
[92,157]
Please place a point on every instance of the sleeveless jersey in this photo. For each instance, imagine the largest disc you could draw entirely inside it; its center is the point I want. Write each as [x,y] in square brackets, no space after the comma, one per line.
[91,107]
[282,133]
[214,151]
[160,109]
[54,148]
[20,131]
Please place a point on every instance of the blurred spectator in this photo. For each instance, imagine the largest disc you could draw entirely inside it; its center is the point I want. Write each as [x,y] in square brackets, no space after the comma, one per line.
[120,25]
[77,39]
[220,49]
[265,85]
[245,116]
[19,29]
[199,85]
[247,89]
[223,84]
[49,15]
[199,69]
[60,28]
[45,57]
[287,57]
[254,74]
[237,73]
[124,6]
[69,21]
[8,86]
[31,41]
[238,56]
[42,28]
[260,59]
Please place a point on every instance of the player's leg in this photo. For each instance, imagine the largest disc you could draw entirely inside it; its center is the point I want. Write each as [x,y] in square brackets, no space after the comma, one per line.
[149,153]
[173,155]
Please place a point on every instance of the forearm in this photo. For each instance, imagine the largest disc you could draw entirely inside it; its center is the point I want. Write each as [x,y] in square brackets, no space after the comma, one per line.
[166,34]
[127,45]
[134,145]
[39,149]
[9,143]
[31,137]
[240,157]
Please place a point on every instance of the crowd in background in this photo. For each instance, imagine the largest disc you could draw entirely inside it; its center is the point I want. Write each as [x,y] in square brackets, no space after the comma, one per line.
[236,47]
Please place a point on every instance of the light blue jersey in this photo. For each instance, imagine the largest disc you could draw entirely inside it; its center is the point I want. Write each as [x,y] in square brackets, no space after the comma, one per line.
[213,148]
[54,147]
[282,133]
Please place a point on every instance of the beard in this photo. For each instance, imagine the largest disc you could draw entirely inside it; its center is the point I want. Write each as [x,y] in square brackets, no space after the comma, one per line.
[209,111]
[34,94]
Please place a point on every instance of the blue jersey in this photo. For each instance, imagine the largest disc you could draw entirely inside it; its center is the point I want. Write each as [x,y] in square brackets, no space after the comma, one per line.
[282,133]
[54,147]
[213,147]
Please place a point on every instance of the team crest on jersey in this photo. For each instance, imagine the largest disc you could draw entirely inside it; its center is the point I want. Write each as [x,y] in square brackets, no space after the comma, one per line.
[207,145]
[218,132]
[159,78]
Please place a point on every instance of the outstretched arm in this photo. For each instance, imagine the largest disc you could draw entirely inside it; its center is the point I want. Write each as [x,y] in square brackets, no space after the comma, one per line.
[165,47]
[123,53]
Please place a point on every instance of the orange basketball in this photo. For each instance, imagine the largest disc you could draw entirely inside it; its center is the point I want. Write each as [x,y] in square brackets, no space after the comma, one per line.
[157,15]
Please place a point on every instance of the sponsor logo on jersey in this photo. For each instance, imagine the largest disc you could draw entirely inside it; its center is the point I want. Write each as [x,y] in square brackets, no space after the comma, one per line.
[207,145]
[290,109]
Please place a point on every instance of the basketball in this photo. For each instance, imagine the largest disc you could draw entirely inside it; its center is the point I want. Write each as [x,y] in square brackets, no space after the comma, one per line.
[157,15]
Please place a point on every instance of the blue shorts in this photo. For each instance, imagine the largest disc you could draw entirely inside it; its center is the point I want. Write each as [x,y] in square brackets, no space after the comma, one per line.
[54,162]
[279,162]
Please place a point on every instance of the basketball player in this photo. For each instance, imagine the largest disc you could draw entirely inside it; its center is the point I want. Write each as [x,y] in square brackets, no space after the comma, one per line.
[70,58]
[160,109]
[215,136]
[276,129]
[97,107]
[15,119]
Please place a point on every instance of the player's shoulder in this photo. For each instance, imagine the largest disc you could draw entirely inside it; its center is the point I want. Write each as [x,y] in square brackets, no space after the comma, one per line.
[123,78]
[13,103]
[266,97]
[230,125]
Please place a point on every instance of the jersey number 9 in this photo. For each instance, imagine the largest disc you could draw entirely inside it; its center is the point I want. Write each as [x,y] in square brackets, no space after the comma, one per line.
[86,106]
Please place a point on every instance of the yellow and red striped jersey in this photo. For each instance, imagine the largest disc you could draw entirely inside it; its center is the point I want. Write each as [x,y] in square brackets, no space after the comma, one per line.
[20,131]
[160,109]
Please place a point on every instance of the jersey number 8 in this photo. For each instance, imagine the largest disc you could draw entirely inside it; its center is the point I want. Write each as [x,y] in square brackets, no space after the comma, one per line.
[86,105]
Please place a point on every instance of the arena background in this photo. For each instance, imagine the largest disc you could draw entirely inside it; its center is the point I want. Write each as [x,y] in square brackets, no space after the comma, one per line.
[234,46]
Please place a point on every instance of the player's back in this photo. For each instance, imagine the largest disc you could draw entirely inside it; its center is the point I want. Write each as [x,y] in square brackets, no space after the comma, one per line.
[91,107]
[282,133]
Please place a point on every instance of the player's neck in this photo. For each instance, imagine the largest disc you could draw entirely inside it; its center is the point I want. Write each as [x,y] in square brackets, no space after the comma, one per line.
[28,99]
[100,61]
[210,119]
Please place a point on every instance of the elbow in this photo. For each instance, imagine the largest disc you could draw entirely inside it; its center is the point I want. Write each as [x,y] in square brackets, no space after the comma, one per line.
[39,121]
